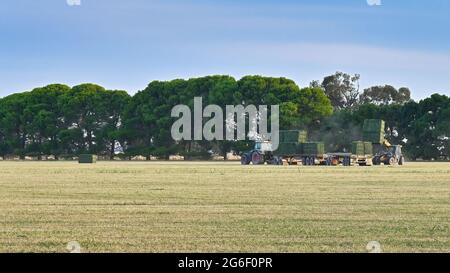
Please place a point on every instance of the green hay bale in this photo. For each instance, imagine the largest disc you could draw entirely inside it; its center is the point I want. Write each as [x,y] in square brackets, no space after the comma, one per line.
[303,136]
[374,126]
[286,148]
[293,136]
[300,148]
[376,137]
[290,148]
[358,148]
[314,148]
[368,148]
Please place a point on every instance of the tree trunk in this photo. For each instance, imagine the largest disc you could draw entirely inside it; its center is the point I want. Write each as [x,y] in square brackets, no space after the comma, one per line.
[22,147]
[112,150]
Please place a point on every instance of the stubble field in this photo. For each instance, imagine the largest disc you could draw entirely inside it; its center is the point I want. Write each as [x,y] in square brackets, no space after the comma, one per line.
[222,207]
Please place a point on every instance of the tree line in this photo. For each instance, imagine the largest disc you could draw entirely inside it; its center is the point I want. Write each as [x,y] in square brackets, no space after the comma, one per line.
[65,121]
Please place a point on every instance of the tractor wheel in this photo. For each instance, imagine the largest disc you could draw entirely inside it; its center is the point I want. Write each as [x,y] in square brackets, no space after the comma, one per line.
[376,161]
[245,160]
[401,161]
[257,158]
[392,161]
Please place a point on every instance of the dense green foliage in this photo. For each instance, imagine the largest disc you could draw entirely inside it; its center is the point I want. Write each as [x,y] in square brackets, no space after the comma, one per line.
[62,121]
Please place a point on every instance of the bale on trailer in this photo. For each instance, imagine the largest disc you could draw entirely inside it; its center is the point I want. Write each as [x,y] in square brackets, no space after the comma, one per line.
[374,137]
[289,148]
[303,136]
[293,136]
[358,148]
[362,148]
[373,130]
[374,125]
[314,148]
[368,148]
[87,159]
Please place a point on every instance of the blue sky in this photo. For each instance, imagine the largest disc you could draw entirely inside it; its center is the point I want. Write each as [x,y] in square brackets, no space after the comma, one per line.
[126,44]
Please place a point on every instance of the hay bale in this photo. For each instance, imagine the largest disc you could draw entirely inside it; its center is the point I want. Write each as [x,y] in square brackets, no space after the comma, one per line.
[287,148]
[300,148]
[293,136]
[303,136]
[374,126]
[362,148]
[358,148]
[314,148]
[87,159]
[368,148]
[374,137]
[373,130]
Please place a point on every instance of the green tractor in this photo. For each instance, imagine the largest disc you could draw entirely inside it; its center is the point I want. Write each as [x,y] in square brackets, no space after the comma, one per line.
[261,154]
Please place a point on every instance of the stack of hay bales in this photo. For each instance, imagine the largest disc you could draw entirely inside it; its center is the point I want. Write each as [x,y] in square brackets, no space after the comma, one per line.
[289,148]
[358,148]
[293,136]
[362,148]
[373,130]
[291,142]
[87,159]
[368,148]
[314,148]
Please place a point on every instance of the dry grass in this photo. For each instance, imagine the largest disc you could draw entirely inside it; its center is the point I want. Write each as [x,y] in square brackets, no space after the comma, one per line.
[222,207]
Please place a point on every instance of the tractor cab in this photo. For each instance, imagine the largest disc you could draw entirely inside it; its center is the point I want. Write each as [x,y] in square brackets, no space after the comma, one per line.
[261,154]
[263,146]
[396,150]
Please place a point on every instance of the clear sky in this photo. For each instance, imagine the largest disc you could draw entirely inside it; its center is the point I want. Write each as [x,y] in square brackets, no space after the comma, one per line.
[125,44]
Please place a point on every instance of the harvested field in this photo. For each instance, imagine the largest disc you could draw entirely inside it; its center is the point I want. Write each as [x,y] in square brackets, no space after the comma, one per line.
[222,207]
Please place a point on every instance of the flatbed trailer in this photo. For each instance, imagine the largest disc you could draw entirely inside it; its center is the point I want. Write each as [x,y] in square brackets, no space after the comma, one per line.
[328,159]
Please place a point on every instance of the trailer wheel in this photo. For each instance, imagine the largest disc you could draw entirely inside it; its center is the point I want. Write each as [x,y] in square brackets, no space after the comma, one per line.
[280,161]
[274,161]
[347,161]
[307,163]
